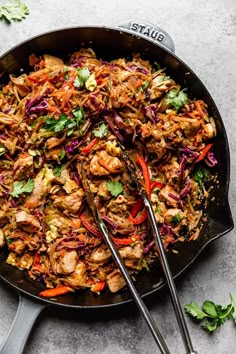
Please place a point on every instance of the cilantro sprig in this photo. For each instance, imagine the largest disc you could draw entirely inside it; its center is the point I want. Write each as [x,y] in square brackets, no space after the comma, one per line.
[20,188]
[177,99]
[176,219]
[13,10]
[201,175]
[212,316]
[114,187]
[82,76]
[101,131]
[64,122]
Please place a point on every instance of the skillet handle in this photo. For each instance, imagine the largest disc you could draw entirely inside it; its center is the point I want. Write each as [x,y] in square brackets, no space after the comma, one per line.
[148,31]
[16,338]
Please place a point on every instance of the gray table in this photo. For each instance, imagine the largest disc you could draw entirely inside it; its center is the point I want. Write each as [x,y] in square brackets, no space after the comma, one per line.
[205,37]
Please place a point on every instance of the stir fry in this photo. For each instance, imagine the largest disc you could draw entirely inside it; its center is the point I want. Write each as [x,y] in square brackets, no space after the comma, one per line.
[64,113]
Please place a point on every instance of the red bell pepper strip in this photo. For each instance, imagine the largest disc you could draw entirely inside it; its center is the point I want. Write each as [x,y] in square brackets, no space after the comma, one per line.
[59,290]
[89,227]
[134,212]
[140,219]
[156,184]
[146,175]
[125,241]
[96,287]
[203,153]
[87,149]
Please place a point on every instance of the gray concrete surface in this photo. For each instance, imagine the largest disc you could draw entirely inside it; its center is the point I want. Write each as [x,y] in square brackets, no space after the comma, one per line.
[205,37]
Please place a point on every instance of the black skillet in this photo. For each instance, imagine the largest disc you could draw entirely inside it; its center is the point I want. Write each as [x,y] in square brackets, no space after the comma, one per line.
[109,43]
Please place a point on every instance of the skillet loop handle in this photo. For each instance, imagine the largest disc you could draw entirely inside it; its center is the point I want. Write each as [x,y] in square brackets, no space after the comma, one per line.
[25,317]
[147,30]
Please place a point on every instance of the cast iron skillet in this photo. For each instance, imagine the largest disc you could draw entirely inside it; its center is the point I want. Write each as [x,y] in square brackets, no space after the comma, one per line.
[108,43]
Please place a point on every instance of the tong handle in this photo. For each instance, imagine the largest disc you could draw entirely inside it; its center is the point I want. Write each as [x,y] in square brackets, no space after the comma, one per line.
[169,278]
[139,302]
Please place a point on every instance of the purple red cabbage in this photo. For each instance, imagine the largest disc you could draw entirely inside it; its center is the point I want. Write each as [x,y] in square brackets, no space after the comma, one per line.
[182,165]
[110,222]
[190,152]
[210,159]
[37,105]
[114,129]
[150,113]
[148,247]
[173,196]
[165,230]
[71,146]
[187,188]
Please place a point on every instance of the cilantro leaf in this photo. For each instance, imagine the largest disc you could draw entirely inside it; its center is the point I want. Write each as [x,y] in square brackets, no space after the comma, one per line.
[14,10]
[210,308]
[2,149]
[62,154]
[101,131]
[177,100]
[60,124]
[211,314]
[78,114]
[58,170]
[114,187]
[201,175]
[20,187]
[194,310]
[176,219]
[82,76]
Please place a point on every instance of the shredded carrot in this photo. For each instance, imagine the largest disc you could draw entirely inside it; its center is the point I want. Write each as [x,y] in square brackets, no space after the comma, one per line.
[59,290]
[95,288]
[199,109]
[203,153]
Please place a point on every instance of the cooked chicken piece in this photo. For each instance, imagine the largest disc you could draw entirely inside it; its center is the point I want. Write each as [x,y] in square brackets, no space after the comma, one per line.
[102,164]
[103,191]
[115,281]
[159,86]
[78,277]
[17,246]
[100,255]
[171,170]
[96,169]
[169,195]
[70,203]
[190,128]
[156,147]
[23,166]
[68,262]
[42,183]
[209,131]
[135,252]
[170,213]
[118,205]
[50,60]
[20,84]
[27,221]
[2,239]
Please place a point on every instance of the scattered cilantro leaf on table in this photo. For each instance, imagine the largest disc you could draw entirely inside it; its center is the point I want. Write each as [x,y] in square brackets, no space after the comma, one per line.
[20,187]
[114,187]
[211,315]
[13,10]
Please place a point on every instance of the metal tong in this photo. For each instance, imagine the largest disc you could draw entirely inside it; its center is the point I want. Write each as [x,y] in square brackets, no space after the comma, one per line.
[138,300]
[163,259]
